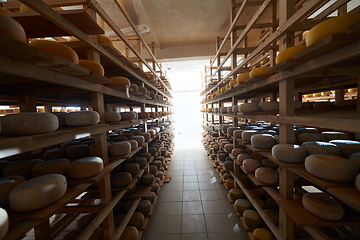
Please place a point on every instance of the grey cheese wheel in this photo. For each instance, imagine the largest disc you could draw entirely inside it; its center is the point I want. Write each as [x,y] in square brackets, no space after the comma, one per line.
[310,137]
[82,118]
[20,124]
[289,153]
[61,118]
[347,147]
[249,107]
[54,166]
[335,136]
[121,179]
[269,106]
[321,148]
[323,206]
[37,192]
[144,206]
[263,141]
[355,157]
[140,139]
[134,144]
[128,115]
[120,148]
[112,117]
[85,167]
[246,135]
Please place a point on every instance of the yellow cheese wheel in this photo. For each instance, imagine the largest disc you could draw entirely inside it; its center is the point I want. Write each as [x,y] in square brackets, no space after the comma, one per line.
[241,205]
[325,93]
[316,94]
[58,166]
[252,218]
[104,40]
[260,72]
[263,234]
[323,206]
[4,10]
[267,175]
[6,185]
[119,82]
[21,168]
[265,60]
[233,82]
[11,28]
[288,53]
[352,90]
[37,192]
[4,222]
[93,66]
[243,77]
[336,25]
[85,167]
[24,8]
[56,49]
[308,95]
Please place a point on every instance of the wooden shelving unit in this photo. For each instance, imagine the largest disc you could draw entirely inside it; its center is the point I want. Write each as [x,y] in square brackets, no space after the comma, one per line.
[31,78]
[328,65]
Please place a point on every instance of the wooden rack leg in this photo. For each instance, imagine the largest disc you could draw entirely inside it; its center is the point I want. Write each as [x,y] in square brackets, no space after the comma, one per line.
[42,231]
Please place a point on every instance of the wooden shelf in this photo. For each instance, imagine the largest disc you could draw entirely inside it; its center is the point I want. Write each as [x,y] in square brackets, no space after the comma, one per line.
[350,196]
[254,149]
[269,156]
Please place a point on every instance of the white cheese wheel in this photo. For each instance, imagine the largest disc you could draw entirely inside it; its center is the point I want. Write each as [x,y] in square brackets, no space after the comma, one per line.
[21,168]
[355,157]
[128,116]
[61,118]
[263,141]
[229,109]
[19,124]
[269,106]
[323,206]
[235,109]
[77,151]
[310,137]
[335,136]
[6,185]
[357,182]
[82,118]
[112,117]
[85,167]
[331,168]
[246,135]
[251,164]
[289,153]
[321,148]
[249,107]
[238,133]
[120,148]
[4,222]
[54,166]
[54,153]
[347,147]
[267,175]
[37,192]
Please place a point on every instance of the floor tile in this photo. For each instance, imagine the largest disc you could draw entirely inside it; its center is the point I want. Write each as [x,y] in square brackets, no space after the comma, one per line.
[212,207]
[173,196]
[206,186]
[190,172]
[161,237]
[171,208]
[209,195]
[191,186]
[190,179]
[193,207]
[169,224]
[194,236]
[193,224]
[218,236]
[191,196]
[217,223]
[178,186]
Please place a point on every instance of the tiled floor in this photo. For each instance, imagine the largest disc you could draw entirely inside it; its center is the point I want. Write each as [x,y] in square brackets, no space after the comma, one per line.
[194,204]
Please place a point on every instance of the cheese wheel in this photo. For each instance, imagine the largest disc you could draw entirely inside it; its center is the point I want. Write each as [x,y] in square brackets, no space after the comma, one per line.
[55,166]
[236,151]
[232,83]
[260,72]
[37,192]
[146,155]
[357,182]
[336,25]
[144,206]
[269,106]
[61,118]
[273,215]
[228,147]
[143,115]
[238,133]
[310,137]
[241,205]
[125,116]
[82,118]
[262,141]
[19,124]
[263,234]
[321,148]
[119,83]
[120,148]
[230,130]
[305,130]
[266,175]
[249,107]
[252,218]
[242,156]
[65,145]
[134,144]
[129,233]
[140,139]
[251,165]
[335,136]
[347,147]
[147,179]
[4,10]
[136,220]
[93,66]
[229,109]
[85,167]
[289,53]
[54,153]
[246,135]
[112,116]
[4,223]
[56,49]
[267,163]
[323,206]
[104,40]
[77,151]
[6,185]
[121,179]
[11,28]
[331,168]
[21,168]
[242,77]
[289,153]
[151,197]
[355,157]
[132,168]
[85,220]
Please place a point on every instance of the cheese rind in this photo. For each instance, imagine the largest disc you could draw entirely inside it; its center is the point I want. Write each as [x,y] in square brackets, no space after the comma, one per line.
[85,167]
[266,175]
[263,141]
[120,148]
[37,192]
[112,116]
[54,166]
[4,222]
[21,168]
[347,147]
[93,66]
[321,148]
[323,206]
[11,28]
[82,118]
[289,153]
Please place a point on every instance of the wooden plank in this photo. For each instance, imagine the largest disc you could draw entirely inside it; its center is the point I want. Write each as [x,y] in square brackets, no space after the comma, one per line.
[15,5]
[284,65]
[258,183]
[141,191]
[348,196]
[95,78]
[254,149]
[269,156]
[303,218]
[36,26]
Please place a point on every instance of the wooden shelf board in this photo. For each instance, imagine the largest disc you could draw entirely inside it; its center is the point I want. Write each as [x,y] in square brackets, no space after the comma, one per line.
[320,182]
[95,78]
[349,196]
[141,191]
[269,156]
[255,79]
[123,124]
[62,65]
[258,183]
[36,26]
[302,218]
[254,149]
[284,65]
[145,224]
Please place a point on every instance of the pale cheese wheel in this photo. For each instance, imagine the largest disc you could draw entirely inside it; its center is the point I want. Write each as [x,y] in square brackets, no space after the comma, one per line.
[305,130]
[230,130]
[263,141]
[132,168]
[268,163]
[151,197]
[112,116]
[28,123]
[125,116]
[147,179]
[61,118]
[93,66]
[357,182]
[37,192]
[236,151]
[136,220]
[82,118]
[321,148]
[85,167]
[238,133]
[140,139]
[331,168]
[142,161]
[335,136]
[235,109]
[289,53]
[134,144]
[246,135]
[56,49]
[21,168]
[6,185]
[251,165]
[11,28]
[4,223]
[144,206]
[289,153]
[54,153]
[355,157]
[77,151]
[310,137]
[249,107]
[120,148]
[347,147]
[267,175]
[269,106]
[323,206]
[242,156]
[121,179]
[119,83]
[54,166]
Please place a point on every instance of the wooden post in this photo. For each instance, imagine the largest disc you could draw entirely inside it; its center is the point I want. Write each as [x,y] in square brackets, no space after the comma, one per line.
[234,103]
[27,103]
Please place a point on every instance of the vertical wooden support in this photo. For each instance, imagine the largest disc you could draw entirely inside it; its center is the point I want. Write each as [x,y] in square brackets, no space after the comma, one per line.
[234,103]
[339,95]
[42,231]
[220,117]
[27,103]
[218,62]
[233,37]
